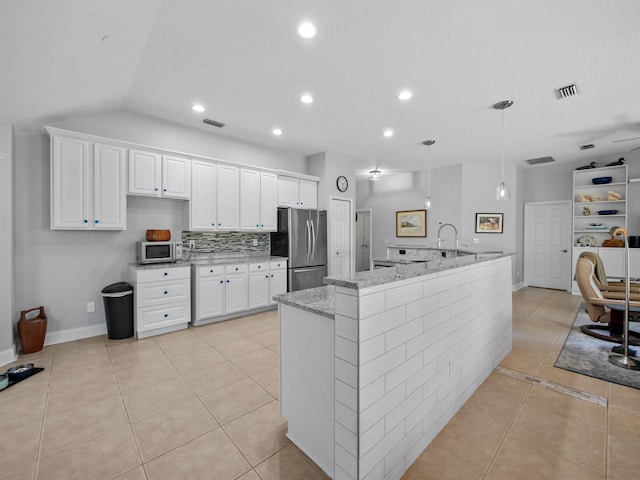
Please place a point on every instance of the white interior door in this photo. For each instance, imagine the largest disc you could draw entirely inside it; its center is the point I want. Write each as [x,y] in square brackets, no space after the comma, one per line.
[363,240]
[340,247]
[547,245]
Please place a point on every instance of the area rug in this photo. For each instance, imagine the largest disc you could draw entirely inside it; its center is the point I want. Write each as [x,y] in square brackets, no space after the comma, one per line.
[590,356]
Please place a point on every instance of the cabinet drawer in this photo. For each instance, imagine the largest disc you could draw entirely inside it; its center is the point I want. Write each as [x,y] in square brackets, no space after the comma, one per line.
[158,274]
[154,293]
[259,267]
[210,271]
[278,265]
[150,318]
[235,268]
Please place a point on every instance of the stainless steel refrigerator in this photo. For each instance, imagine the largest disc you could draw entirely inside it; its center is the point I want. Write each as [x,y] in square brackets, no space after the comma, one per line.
[302,236]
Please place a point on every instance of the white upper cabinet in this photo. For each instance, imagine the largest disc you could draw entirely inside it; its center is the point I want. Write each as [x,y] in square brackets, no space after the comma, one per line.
[176,177]
[203,211]
[228,198]
[155,175]
[87,185]
[297,192]
[109,187]
[258,200]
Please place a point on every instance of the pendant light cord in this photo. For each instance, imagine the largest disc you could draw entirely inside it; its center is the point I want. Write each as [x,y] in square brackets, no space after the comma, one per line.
[503,145]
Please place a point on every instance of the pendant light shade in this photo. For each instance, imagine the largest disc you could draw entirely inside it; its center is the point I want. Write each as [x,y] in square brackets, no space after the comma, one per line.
[374,175]
[502,190]
[427,202]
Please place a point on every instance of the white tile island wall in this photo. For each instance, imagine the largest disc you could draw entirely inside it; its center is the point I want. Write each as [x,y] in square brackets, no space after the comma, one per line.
[410,346]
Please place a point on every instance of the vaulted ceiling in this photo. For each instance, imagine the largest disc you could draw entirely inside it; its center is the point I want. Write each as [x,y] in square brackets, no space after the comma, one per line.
[245,63]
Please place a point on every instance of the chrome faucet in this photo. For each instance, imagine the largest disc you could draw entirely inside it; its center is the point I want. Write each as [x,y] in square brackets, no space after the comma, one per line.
[455,230]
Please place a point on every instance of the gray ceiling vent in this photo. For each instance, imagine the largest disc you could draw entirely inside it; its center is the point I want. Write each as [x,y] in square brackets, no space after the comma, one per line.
[538,161]
[567,91]
[588,146]
[208,121]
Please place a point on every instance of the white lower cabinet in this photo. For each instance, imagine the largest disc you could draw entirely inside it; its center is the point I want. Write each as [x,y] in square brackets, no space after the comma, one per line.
[162,299]
[277,279]
[221,292]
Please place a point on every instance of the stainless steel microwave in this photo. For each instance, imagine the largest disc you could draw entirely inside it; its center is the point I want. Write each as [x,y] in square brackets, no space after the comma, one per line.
[158,252]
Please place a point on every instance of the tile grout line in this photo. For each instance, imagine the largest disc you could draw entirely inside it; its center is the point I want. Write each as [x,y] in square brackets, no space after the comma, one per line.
[541,382]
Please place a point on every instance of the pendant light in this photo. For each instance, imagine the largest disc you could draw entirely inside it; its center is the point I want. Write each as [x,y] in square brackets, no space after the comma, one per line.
[427,203]
[502,190]
[374,175]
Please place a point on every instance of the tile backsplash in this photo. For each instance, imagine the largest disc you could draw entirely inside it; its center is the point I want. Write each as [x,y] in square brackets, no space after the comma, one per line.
[226,244]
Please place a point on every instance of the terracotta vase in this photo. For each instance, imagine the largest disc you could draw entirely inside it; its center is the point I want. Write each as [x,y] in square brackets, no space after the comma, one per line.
[32,331]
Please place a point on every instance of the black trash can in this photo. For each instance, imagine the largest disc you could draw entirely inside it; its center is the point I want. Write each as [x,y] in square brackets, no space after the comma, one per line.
[118,309]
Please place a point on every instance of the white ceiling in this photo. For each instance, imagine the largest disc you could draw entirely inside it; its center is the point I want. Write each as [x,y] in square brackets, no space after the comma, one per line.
[243,60]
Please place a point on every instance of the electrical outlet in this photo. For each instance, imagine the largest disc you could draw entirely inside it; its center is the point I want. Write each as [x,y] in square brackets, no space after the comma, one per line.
[476,241]
[91,307]
[255,242]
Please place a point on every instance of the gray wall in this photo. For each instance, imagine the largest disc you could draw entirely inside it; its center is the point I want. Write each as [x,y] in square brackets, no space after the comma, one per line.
[8,312]
[63,270]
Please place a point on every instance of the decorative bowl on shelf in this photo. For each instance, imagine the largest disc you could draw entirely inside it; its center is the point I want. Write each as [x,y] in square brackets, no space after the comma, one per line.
[586,241]
[601,180]
[607,212]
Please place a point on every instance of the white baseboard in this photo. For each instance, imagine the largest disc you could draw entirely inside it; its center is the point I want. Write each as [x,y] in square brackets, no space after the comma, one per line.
[8,355]
[517,286]
[78,333]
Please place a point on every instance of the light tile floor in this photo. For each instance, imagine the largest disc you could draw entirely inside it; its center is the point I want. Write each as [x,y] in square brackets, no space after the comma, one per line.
[203,404]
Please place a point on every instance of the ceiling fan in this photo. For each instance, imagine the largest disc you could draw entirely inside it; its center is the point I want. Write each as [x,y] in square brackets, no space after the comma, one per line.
[628,140]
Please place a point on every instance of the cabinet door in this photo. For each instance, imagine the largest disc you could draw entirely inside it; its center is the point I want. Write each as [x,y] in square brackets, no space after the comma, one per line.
[228,198]
[145,175]
[202,207]
[258,289]
[210,296]
[288,192]
[308,194]
[109,188]
[176,177]
[268,202]
[71,181]
[277,283]
[613,261]
[236,293]
[634,261]
[249,200]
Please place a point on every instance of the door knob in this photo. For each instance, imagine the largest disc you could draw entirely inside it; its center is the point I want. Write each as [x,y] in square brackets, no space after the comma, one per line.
[564,251]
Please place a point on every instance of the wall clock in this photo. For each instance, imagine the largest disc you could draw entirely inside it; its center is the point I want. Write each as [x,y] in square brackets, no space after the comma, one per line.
[342,183]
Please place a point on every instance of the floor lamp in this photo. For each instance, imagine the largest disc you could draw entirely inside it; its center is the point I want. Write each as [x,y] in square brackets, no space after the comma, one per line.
[624,360]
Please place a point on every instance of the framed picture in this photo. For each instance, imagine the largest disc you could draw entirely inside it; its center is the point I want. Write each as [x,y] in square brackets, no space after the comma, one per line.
[411,223]
[489,222]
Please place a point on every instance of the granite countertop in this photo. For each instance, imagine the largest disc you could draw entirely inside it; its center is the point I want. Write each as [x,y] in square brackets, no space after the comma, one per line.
[381,276]
[210,261]
[319,300]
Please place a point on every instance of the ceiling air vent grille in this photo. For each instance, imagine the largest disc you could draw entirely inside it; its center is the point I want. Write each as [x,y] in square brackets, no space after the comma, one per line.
[589,146]
[208,121]
[567,91]
[538,161]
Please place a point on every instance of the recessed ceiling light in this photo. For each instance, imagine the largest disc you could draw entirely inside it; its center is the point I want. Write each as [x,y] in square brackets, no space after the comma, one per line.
[405,95]
[276,131]
[198,108]
[388,133]
[306,98]
[307,30]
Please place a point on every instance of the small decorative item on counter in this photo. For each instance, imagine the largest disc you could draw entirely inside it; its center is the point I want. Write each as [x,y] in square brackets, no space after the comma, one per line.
[158,235]
[613,196]
[596,227]
[584,197]
[586,211]
[32,331]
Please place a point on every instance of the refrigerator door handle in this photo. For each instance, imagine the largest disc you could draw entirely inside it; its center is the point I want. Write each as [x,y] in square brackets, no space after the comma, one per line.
[308,241]
[313,238]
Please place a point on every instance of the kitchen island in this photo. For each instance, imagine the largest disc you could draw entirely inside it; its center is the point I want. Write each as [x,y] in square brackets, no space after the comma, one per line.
[374,365]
